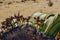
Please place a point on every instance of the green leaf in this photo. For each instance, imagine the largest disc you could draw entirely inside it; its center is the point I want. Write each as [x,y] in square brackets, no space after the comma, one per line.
[54,29]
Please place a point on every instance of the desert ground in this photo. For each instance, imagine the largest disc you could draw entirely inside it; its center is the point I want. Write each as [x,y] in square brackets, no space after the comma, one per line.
[27,8]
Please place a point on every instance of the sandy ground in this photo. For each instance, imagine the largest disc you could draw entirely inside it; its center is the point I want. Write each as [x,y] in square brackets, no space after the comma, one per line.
[27,8]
